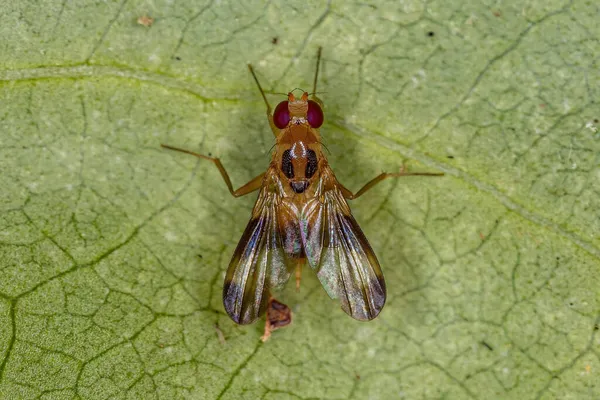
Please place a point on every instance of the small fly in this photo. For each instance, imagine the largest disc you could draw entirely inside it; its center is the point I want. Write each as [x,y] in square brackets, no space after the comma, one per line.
[301,217]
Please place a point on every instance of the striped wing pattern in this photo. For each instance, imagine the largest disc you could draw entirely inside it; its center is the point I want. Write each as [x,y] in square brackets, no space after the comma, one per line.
[325,233]
[259,263]
[337,249]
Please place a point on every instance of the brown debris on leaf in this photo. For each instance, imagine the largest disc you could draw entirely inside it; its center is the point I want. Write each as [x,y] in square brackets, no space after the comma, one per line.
[145,20]
[220,334]
[278,316]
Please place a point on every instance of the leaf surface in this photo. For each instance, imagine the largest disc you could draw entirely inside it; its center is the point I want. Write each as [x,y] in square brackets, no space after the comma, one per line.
[114,250]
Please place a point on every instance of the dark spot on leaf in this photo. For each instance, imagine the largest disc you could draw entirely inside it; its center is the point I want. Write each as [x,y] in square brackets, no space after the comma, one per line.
[431,33]
[497,14]
[450,156]
[199,255]
[178,58]
[275,40]
[596,120]
[596,327]
[487,346]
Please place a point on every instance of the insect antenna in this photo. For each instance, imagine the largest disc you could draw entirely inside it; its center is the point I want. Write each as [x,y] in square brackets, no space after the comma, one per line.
[317,71]
[302,90]
[262,92]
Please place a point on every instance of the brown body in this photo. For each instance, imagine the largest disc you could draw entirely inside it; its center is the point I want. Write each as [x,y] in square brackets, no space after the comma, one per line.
[301,217]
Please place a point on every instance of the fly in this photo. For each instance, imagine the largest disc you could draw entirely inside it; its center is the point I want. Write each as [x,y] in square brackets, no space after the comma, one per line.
[301,217]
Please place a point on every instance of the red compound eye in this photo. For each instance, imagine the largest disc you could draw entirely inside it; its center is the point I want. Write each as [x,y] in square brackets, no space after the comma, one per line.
[281,116]
[314,114]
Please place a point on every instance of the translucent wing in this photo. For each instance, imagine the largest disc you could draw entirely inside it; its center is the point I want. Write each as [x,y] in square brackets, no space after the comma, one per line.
[259,262]
[337,249]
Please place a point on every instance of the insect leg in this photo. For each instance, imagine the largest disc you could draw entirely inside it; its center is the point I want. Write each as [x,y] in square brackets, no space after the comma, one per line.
[249,187]
[349,195]
[298,274]
[269,109]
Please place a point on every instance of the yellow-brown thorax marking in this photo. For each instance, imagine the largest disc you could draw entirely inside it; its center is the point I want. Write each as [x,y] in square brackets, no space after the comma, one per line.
[297,157]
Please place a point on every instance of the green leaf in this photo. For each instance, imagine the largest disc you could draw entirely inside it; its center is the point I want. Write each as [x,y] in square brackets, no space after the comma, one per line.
[113,250]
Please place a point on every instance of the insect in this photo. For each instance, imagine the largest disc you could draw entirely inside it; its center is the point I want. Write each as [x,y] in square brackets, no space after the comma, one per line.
[301,217]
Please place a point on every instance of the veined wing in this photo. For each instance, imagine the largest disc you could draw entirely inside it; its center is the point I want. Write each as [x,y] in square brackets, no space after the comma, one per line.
[337,249]
[259,262]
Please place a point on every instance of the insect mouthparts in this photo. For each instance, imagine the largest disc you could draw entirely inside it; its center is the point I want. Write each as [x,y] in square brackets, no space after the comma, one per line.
[298,120]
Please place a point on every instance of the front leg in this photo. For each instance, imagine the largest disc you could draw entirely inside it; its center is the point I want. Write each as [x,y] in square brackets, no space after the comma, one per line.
[249,187]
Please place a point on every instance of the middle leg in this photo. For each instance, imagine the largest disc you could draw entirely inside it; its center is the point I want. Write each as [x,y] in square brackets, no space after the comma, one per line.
[369,185]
